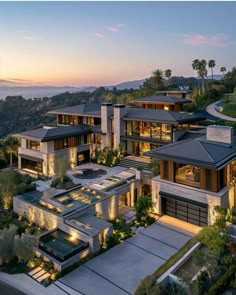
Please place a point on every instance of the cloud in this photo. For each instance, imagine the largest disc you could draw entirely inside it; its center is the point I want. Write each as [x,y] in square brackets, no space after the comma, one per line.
[120,25]
[115,28]
[99,35]
[204,40]
[28,37]
[20,80]
[6,81]
[112,29]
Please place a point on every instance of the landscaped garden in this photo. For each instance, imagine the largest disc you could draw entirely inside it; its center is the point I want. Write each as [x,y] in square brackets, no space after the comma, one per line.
[214,263]
[108,157]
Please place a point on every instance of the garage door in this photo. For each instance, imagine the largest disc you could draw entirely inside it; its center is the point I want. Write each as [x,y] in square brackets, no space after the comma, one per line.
[192,212]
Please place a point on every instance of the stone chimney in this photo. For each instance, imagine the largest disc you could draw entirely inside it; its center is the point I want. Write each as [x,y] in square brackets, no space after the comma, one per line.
[119,124]
[106,124]
[219,133]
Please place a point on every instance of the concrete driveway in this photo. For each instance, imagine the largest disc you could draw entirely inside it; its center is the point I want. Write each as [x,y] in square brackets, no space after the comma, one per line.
[211,109]
[121,268]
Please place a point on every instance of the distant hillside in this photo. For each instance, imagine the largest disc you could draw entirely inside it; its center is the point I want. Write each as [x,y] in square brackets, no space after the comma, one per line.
[39,91]
[215,77]
[127,85]
[49,91]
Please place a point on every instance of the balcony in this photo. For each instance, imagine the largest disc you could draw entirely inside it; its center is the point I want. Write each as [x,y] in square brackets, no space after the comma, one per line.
[156,137]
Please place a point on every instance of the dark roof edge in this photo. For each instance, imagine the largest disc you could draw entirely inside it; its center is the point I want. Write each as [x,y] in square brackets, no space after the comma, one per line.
[197,163]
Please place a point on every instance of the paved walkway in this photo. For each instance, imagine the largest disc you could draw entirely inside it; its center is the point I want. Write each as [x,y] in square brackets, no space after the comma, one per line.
[27,285]
[211,110]
[120,269]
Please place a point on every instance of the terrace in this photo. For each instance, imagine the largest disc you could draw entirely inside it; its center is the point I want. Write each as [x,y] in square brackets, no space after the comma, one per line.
[112,182]
[60,245]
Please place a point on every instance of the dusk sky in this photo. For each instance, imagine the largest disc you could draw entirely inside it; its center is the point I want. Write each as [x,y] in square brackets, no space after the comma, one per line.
[105,43]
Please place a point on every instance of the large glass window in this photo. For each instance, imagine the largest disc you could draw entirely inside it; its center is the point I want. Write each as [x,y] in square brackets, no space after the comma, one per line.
[67,120]
[60,144]
[187,174]
[145,129]
[33,145]
[156,130]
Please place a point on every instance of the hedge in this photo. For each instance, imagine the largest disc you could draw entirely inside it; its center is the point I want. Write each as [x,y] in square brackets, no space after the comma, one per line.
[223,282]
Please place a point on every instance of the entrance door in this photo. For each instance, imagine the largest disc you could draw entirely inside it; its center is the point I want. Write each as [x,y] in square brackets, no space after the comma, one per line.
[193,213]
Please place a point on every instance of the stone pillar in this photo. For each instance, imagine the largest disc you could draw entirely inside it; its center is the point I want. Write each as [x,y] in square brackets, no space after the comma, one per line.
[119,124]
[156,199]
[106,124]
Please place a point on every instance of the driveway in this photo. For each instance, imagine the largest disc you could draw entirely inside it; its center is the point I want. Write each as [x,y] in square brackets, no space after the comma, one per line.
[211,110]
[120,269]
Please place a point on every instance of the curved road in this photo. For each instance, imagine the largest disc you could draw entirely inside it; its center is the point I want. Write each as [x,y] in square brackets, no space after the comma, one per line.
[211,110]
[8,290]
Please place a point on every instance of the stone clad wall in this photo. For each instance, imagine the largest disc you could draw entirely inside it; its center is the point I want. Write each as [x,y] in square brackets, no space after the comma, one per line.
[38,215]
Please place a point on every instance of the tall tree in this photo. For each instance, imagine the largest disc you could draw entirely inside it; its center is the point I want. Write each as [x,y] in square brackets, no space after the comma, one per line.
[24,246]
[7,188]
[157,78]
[6,243]
[223,70]
[11,144]
[168,73]
[203,73]
[211,65]
[196,67]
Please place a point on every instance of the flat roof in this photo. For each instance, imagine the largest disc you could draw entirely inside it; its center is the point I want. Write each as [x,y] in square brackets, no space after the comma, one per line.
[199,152]
[85,109]
[162,99]
[48,134]
[114,182]
[162,116]
[93,221]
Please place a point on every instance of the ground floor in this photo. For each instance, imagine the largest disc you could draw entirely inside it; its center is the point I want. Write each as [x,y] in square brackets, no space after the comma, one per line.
[37,163]
[121,268]
[190,204]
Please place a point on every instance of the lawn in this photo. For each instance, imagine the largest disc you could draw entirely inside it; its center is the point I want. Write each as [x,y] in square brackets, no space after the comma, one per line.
[229,109]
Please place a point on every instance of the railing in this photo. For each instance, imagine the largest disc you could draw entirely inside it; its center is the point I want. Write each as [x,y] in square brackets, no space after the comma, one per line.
[165,136]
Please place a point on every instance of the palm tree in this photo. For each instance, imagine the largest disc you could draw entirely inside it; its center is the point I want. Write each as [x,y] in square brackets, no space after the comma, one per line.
[211,65]
[196,66]
[2,153]
[157,78]
[11,146]
[223,70]
[168,73]
[202,71]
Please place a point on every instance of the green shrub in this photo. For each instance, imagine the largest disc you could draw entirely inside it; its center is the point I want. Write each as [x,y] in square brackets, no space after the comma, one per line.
[65,183]
[110,242]
[224,281]
[48,265]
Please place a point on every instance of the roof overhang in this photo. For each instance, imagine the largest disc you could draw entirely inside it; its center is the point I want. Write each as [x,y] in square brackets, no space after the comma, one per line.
[31,158]
[74,114]
[193,162]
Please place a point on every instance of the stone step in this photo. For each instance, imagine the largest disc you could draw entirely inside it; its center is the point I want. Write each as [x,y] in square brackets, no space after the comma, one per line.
[133,164]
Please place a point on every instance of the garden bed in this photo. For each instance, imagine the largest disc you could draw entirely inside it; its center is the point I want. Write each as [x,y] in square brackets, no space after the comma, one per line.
[189,269]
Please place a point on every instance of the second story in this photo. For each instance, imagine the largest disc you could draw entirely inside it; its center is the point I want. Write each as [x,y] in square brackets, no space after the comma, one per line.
[157,126]
[207,163]
[89,114]
[168,103]
[48,140]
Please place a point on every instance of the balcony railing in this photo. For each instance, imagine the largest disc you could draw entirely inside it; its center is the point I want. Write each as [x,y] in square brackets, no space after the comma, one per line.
[162,136]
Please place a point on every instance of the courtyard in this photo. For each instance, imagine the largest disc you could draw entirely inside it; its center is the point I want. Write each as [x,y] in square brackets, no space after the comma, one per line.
[121,268]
